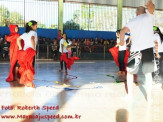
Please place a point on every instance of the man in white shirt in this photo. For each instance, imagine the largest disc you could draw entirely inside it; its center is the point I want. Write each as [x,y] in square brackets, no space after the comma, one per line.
[141,30]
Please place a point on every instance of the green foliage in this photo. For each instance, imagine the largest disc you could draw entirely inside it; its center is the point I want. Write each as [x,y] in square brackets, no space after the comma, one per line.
[15,17]
[53,26]
[71,25]
[7,18]
[40,25]
[4,14]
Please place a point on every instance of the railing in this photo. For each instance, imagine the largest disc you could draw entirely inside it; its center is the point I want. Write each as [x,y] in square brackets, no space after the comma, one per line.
[46,51]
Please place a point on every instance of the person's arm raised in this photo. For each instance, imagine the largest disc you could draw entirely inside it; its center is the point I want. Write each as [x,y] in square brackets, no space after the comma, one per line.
[150,6]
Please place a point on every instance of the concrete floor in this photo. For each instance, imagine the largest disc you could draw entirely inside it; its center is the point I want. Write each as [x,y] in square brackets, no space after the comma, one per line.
[97,98]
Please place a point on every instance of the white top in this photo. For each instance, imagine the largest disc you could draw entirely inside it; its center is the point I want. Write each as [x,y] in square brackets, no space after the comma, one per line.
[158,39]
[118,40]
[141,30]
[121,48]
[62,41]
[69,42]
[27,39]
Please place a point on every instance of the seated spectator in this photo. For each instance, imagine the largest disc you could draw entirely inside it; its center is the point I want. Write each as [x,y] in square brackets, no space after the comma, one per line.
[79,47]
[91,45]
[48,41]
[1,39]
[106,42]
[88,44]
[112,43]
[43,48]
[40,41]
[95,47]
[5,50]
[82,42]
[55,48]
[44,40]
[85,41]
[91,42]
[101,42]
[73,47]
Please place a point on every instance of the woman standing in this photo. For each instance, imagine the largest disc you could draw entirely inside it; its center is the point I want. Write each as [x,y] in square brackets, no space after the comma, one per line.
[27,54]
[158,39]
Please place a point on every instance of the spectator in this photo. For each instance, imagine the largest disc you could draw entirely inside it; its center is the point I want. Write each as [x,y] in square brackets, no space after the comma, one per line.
[59,35]
[5,49]
[95,47]
[73,47]
[48,41]
[55,48]
[96,41]
[88,44]
[111,44]
[79,47]
[43,47]
[40,41]
[106,42]
[91,45]
[91,42]
[44,40]
[101,41]
[82,41]
[1,39]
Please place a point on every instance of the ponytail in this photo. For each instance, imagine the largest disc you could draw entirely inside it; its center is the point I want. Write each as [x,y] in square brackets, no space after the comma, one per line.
[28,25]
[157,30]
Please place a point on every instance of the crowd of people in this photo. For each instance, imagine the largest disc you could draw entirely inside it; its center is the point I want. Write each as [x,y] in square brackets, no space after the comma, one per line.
[77,45]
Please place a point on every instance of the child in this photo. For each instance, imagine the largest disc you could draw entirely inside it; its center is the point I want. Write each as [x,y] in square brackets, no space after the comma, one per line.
[26,56]
[55,49]
[69,48]
[63,51]
[5,49]
[13,52]
[64,55]
[59,35]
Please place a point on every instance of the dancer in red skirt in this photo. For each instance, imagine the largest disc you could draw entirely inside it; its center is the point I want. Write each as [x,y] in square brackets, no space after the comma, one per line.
[12,37]
[26,55]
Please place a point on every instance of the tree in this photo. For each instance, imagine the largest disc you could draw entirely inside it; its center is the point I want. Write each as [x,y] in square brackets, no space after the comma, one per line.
[84,16]
[71,25]
[53,26]
[4,16]
[16,18]
[40,25]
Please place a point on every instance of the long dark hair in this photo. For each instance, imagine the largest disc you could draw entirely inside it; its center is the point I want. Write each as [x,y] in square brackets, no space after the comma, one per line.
[28,25]
[157,30]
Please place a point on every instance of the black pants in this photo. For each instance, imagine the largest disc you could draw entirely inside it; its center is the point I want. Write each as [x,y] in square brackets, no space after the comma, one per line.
[121,57]
[61,63]
[161,68]
[160,73]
